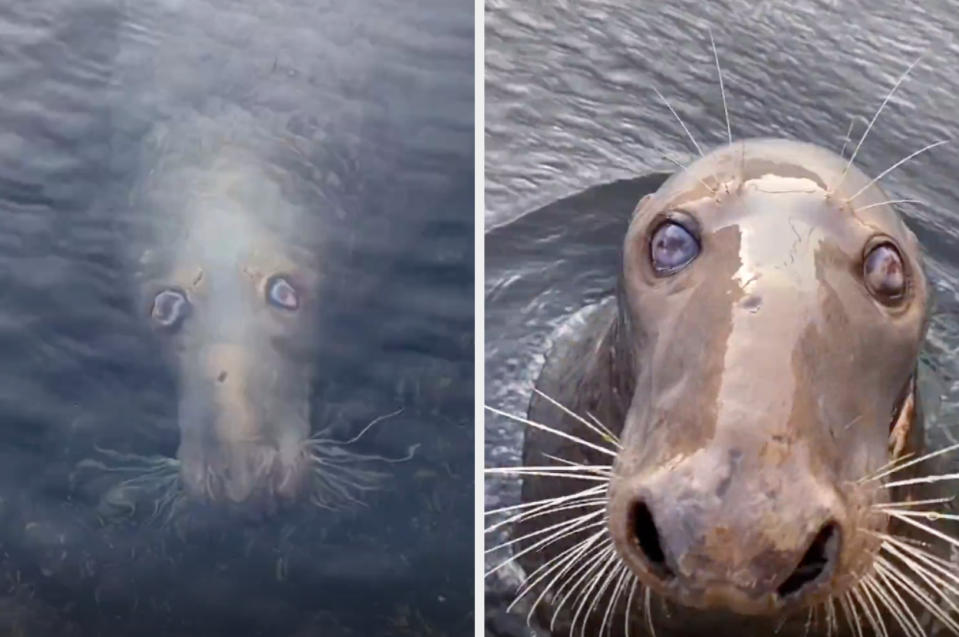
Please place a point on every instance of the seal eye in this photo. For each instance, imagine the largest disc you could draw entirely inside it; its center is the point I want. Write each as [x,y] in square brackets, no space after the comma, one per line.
[672,247]
[170,307]
[884,273]
[281,293]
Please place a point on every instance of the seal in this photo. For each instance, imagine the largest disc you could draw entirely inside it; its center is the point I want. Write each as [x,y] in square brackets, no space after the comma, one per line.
[746,414]
[240,255]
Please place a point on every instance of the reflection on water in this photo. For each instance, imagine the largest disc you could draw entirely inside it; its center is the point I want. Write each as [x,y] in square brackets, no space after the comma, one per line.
[359,116]
[572,122]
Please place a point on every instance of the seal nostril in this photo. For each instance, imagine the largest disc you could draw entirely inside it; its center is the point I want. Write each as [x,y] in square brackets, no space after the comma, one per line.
[647,538]
[819,558]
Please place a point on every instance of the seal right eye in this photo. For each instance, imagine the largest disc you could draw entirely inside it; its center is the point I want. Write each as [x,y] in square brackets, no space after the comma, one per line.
[884,273]
[170,307]
[281,293]
[671,248]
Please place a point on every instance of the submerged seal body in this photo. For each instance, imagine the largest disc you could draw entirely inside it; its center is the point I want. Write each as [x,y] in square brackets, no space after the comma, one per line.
[756,373]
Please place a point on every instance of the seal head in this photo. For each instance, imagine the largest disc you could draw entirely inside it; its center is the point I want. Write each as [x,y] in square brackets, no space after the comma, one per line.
[776,303]
[231,290]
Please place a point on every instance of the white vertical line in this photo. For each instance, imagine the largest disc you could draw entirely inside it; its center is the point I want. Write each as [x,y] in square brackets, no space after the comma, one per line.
[478,308]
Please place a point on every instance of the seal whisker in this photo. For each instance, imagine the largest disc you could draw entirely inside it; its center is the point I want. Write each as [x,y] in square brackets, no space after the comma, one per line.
[610,581]
[939,574]
[538,504]
[938,477]
[569,528]
[722,89]
[913,620]
[865,134]
[357,479]
[554,472]
[912,503]
[863,595]
[591,593]
[852,616]
[915,591]
[606,430]
[601,430]
[679,119]
[683,167]
[832,621]
[581,563]
[900,466]
[896,165]
[924,527]
[570,463]
[648,610]
[570,523]
[553,431]
[890,201]
[809,621]
[597,503]
[629,602]
[618,592]
[591,470]
[362,431]
[848,138]
[878,594]
[559,564]
[577,578]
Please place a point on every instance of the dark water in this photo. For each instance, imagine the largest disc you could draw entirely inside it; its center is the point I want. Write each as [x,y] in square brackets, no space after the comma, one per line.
[575,135]
[375,99]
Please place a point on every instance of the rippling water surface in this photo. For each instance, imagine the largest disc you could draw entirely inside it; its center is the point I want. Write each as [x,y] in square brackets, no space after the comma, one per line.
[373,100]
[575,135]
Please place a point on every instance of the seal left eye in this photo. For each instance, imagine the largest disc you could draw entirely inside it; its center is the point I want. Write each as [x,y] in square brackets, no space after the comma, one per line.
[672,247]
[884,273]
[169,308]
[281,293]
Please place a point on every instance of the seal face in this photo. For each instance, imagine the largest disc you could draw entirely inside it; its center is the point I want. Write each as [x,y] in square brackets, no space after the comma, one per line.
[773,363]
[757,368]
[233,297]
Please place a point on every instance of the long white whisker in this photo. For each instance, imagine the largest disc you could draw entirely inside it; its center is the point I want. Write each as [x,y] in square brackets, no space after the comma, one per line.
[914,622]
[629,603]
[911,556]
[556,472]
[889,202]
[602,431]
[848,138]
[885,100]
[648,610]
[568,523]
[878,627]
[581,526]
[679,119]
[722,89]
[912,503]
[916,592]
[576,580]
[914,461]
[553,431]
[560,565]
[896,165]
[593,591]
[541,504]
[367,428]
[876,589]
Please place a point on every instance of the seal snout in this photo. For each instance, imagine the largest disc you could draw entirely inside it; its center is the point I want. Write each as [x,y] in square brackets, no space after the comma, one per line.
[744,552]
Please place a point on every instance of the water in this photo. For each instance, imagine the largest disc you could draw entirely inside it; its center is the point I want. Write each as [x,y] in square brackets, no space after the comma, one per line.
[575,135]
[376,97]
